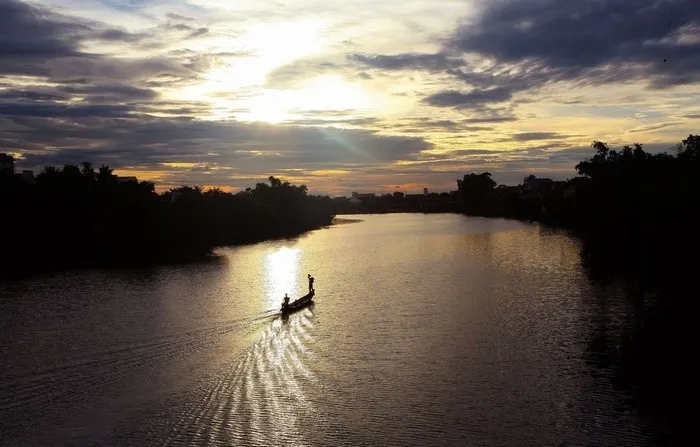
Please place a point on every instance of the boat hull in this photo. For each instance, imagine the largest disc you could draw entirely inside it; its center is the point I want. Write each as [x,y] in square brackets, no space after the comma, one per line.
[298,304]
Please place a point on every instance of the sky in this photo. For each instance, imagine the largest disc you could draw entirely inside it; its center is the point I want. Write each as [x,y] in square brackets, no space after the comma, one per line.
[364,95]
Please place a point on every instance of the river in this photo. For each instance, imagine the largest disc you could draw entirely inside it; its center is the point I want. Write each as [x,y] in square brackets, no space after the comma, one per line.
[426,330]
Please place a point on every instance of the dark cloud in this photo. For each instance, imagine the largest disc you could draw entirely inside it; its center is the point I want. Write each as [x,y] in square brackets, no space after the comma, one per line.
[529,44]
[31,35]
[473,99]
[123,135]
[597,41]
[655,126]
[36,94]
[439,124]
[103,69]
[35,32]
[61,110]
[79,100]
[405,61]
[532,136]
[490,119]
[37,41]
[428,124]
[100,92]
[326,122]
[462,153]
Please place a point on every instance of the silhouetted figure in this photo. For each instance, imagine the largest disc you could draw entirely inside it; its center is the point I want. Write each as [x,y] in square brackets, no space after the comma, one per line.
[311,283]
[285,303]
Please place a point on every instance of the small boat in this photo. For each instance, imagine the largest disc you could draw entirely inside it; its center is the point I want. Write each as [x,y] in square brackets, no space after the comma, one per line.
[298,304]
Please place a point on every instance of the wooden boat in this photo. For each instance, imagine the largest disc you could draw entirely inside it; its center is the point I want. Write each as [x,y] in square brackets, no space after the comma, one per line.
[298,304]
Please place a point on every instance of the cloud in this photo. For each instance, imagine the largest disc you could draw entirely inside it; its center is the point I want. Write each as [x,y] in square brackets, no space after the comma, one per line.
[126,137]
[405,61]
[428,124]
[118,69]
[517,47]
[37,41]
[31,35]
[289,75]
[36,94]
[597,41]
[109,92]
[490,119]
[532,136]
[61,110]
[325,122]
[473,99]
[655,126]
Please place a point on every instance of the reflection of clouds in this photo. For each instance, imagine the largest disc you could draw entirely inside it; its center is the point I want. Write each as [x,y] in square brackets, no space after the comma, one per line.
[281,274]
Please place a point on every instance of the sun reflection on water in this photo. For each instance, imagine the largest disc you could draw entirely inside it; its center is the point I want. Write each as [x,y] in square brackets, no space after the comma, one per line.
[282,275]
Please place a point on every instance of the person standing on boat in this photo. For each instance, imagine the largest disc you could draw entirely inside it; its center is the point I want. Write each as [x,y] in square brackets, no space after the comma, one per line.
[311,283]
[285,303]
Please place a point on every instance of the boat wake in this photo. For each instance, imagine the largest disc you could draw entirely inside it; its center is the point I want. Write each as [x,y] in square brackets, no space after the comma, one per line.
[258,398]
[39,400]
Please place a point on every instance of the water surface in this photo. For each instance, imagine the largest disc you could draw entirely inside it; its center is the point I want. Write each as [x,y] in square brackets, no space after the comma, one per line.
[427,330]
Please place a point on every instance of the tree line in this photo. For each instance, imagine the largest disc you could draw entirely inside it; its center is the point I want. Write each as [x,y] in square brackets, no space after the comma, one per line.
[79,216]
[398,202]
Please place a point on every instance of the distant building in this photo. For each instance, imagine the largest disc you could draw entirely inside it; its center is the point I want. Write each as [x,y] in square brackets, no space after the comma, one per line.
[7,163]
[425,191]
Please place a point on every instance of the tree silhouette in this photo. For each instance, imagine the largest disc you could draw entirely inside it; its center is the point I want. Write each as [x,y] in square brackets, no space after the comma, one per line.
[76,217]
[477,193]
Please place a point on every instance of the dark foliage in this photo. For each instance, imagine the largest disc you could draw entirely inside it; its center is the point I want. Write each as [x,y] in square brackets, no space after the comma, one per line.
[78,217]
[478,194]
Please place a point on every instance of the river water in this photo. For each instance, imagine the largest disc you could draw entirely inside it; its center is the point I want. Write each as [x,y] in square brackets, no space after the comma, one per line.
[426,330]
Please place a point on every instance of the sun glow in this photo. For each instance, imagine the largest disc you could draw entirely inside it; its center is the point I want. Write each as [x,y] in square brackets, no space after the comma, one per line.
[246,63]
[324,93]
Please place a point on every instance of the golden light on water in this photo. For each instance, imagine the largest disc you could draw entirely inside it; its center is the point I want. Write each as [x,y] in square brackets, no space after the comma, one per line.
[282,275]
